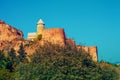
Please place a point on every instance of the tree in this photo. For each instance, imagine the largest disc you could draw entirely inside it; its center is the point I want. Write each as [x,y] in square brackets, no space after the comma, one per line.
[39,36]
[12,55]
[13,60]
[5,73]
[3,60]
[22,54]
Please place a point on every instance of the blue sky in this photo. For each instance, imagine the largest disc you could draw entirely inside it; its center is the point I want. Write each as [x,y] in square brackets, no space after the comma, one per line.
[88,22]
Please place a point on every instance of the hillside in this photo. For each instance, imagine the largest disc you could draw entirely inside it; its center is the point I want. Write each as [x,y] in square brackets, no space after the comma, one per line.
[53,62]
[44,59]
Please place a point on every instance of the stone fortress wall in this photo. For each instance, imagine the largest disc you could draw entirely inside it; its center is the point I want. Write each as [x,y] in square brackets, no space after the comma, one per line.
[57,36]
[91,50]
[13,38]
[53,35]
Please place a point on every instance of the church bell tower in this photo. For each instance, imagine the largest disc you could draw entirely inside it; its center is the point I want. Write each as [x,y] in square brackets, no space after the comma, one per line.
[40,26]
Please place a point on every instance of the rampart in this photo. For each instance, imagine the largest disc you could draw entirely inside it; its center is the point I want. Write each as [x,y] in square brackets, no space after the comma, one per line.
[54,35]
[92,50]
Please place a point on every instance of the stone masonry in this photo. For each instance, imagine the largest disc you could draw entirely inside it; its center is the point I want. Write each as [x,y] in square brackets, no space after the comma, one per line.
[57,36]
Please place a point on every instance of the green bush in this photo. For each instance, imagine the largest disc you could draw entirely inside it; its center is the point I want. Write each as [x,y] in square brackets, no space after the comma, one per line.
[109,71]
[5,74]
[39,37]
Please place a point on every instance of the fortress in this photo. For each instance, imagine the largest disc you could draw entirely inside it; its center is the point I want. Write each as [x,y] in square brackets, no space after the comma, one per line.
[10,37]
[54,35]
[57,36]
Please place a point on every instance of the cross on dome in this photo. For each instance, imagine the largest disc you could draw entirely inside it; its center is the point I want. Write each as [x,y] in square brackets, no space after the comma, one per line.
[40,21]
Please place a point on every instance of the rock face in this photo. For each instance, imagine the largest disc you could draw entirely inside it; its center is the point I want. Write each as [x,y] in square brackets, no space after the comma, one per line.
[3,44]
[9,37]
[8,33]
[6,46]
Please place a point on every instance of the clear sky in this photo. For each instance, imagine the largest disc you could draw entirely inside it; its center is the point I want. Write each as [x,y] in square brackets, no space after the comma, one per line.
[88,22]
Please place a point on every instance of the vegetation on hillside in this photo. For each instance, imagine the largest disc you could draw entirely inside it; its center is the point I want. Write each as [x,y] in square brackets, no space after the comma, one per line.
[52,62]
[39,36]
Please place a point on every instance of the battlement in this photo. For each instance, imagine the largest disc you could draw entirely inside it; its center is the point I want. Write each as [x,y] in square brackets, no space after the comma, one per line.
[92,50]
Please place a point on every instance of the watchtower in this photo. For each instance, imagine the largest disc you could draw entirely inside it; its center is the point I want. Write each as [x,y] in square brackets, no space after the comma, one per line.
[40,26]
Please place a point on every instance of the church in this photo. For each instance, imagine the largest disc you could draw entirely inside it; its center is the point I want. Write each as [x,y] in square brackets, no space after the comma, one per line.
[40,27]
[53,35]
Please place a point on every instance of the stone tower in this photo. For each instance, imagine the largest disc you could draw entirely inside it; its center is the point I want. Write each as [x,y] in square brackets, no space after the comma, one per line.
[40,26]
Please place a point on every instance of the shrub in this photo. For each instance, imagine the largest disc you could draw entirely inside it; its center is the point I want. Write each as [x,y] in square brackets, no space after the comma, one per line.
[39,37]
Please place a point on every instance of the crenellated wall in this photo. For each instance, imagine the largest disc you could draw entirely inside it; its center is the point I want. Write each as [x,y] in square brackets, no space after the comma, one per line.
[92,50]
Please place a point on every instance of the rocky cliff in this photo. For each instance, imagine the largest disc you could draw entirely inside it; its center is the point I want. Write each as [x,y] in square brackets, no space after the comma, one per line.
[8,33]
[10,37]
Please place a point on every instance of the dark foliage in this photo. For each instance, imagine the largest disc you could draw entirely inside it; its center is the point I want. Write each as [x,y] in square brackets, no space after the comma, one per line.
[39,37]
[10,62]
[52,62]
[22,54]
